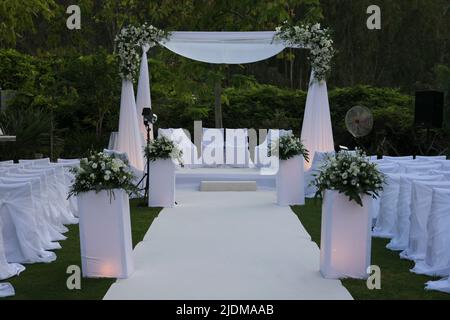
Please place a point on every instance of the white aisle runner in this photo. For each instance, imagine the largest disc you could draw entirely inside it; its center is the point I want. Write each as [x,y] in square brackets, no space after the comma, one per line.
[233,245]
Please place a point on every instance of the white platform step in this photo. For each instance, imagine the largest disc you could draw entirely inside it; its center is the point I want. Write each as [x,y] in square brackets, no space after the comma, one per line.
[220,186]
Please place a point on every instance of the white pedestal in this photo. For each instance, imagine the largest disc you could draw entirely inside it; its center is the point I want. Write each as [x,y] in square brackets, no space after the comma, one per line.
[105,234]
[345,238]
[290,182]
[162,183]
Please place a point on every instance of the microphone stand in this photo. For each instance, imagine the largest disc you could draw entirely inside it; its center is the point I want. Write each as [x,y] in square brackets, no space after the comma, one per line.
[147,172]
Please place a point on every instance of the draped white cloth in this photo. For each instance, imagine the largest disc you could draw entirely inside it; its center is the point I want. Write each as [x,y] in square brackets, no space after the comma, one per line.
[143,99]
[224,47]
[129,139]
[317,133]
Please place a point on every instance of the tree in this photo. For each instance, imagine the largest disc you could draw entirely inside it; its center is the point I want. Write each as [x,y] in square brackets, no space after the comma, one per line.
[17,17]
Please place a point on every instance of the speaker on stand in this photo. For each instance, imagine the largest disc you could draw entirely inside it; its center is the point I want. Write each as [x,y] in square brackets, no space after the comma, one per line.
[429,111]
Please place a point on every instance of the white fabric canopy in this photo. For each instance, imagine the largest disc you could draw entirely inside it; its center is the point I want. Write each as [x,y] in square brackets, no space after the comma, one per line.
[224,47]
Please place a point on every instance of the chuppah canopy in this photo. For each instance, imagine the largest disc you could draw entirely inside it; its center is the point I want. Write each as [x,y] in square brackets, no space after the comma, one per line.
[228,48]
[224,47]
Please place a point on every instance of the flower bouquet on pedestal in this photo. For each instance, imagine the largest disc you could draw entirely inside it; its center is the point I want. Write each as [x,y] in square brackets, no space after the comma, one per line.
[348,184]
[290,177]
[102,184]
[163,154]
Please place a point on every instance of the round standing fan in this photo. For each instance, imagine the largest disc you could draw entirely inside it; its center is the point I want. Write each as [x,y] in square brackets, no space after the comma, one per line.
[359,121]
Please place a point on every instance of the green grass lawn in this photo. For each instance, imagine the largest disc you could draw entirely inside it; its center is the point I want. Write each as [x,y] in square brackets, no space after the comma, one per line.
[48,281]
[396,280]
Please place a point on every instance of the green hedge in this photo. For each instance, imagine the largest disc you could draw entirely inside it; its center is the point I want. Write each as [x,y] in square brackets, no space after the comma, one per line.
[82,97]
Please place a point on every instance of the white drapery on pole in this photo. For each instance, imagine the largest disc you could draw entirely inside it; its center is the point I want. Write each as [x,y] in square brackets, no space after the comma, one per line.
[317,133]
[224,47]
[129,139]
[144,99]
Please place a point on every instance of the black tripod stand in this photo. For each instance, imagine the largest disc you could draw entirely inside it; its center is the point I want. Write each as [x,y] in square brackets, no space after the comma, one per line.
[147,171]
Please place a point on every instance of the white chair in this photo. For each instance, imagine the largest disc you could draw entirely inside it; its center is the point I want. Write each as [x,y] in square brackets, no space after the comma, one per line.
[69,216]
[6,162]
[437,258]
[7,270]
[262,159]
[419,168]
[389,158]
[56,228]
[421,200]
[39,214]
[20,238]
[376,203]
[400,237]
[57,197]
[44,161]
[213,145]
[431,157]
[387,218]
[446,174]
[236,148]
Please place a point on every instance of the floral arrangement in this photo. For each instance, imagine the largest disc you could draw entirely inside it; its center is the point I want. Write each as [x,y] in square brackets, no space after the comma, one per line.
[315,38]
[102,172]
[287,147]
[163,148]
[350,174]
[130,41]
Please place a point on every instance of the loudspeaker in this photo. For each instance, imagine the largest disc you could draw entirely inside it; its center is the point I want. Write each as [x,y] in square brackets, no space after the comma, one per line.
[429,109]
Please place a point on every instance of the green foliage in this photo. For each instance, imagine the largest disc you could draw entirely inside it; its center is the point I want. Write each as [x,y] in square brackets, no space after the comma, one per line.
[32,127]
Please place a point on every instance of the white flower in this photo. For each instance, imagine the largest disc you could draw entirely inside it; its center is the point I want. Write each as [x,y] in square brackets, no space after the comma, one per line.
[94,166]
[106,177]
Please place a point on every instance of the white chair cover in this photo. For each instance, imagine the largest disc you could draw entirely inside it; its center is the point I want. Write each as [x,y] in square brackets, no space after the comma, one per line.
[446,174]
[387,218]
[20,236]
[57,195]
[431,157]
[34,162]
[69,215]
[6,162]
[420,168]
[56,228]
[440,285]
[374,209]
[213,145]
[7,270]
[421,200]
[236,148]
[398,158]
[400,237]
[40,216]
[437,258]
[445,165]
[6,290]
